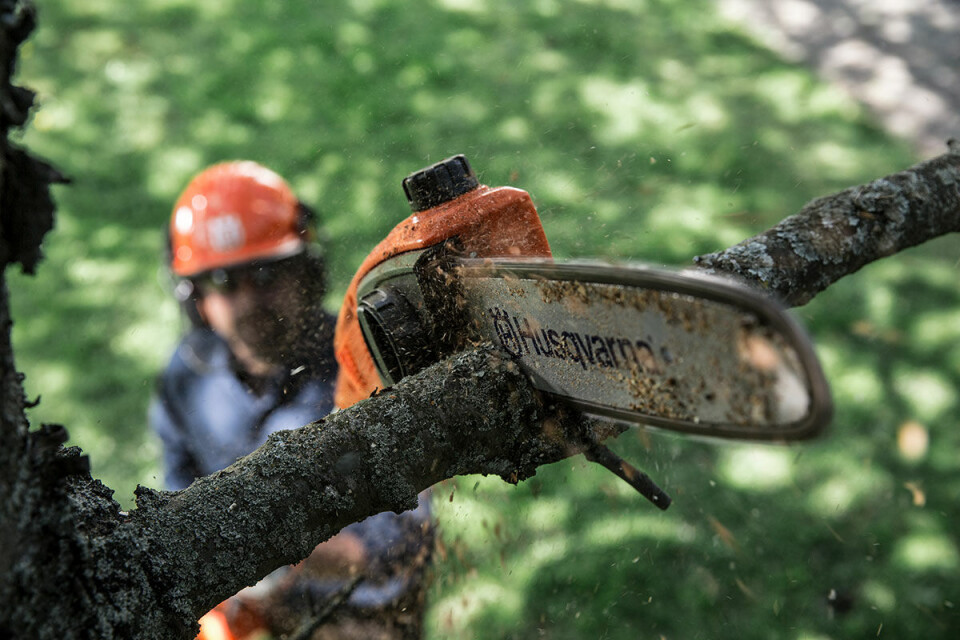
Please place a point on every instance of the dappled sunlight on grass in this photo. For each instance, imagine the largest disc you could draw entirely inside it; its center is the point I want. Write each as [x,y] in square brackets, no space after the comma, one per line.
[56,116]
[936,330]
[540,551]
[470,503]
[689,220]
[140,339]
[858,385]
[171,168]
[639,529]
[757,467]
[547,513]
[930,395]
[454,613]
[365,198]
[515,129]
[634,7]
[561,186]
[465,6]
[52,379]
[829,156]
[627,109]
[838,494]
[549,61]
[97,276]
[880,302]
[927,552]
[880,596]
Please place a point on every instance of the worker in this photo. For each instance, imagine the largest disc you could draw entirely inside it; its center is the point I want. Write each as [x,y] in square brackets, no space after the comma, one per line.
[258,358]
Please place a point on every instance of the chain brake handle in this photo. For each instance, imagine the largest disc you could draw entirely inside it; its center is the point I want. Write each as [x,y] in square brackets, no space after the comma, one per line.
[644,485]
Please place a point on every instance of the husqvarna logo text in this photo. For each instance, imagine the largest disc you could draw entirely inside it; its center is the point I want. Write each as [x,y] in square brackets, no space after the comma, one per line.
[523,336]
[225,233]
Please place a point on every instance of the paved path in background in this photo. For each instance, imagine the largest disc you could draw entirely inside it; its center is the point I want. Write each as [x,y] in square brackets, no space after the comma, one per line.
[900,58]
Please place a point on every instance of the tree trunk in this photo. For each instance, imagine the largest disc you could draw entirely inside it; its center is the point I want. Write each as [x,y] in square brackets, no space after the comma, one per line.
[72,565]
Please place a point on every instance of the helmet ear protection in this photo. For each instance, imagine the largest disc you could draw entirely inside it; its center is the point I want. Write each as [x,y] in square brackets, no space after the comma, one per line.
[183,289]
[306,221]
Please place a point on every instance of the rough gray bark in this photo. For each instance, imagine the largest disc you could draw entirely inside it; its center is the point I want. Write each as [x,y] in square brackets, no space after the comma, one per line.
[473,413]
[72,565]
[836,235]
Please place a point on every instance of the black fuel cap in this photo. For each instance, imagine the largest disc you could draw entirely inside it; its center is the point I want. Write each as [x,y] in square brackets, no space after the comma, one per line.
[439,183]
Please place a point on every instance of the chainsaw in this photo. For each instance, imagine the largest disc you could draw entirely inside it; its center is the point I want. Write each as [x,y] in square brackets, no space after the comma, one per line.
[671,349]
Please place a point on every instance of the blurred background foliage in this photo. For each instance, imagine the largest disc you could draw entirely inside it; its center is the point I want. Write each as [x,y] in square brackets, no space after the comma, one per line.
[645,130]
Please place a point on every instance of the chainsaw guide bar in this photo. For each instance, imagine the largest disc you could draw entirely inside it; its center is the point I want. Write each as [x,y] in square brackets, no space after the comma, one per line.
[677,350]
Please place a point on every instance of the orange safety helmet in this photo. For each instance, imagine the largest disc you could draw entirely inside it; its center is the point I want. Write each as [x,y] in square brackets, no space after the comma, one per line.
[233,213]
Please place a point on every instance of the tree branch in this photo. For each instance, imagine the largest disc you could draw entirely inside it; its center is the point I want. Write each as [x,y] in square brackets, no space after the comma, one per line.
[837,235]
[473,413]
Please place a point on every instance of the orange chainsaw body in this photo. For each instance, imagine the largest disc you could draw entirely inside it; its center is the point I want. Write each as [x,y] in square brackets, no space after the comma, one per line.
[488,222]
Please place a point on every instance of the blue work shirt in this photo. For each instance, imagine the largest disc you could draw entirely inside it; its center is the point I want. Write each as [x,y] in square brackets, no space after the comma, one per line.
[207,418]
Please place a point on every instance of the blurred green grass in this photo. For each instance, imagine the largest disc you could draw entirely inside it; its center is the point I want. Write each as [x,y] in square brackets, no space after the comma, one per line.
[644,129]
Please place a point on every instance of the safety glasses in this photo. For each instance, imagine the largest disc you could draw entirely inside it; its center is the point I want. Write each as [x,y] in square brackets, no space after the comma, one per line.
[258,275]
